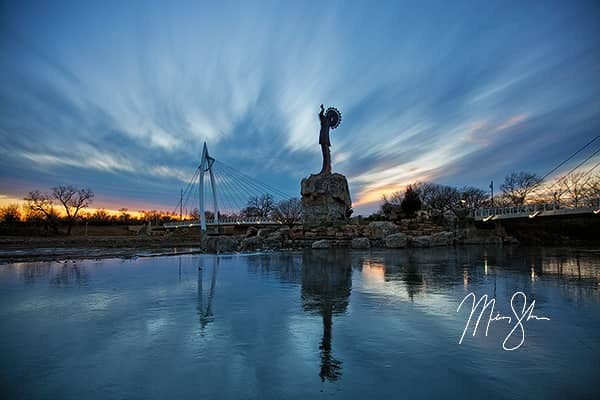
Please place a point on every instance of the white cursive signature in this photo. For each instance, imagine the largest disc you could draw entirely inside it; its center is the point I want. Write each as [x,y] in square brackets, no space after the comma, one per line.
[525,315]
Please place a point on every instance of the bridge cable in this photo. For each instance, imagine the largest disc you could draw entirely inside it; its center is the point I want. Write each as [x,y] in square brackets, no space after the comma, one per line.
[270,188]
[255,187]
[576,167]
[567,160]
[186,192]
[236,197]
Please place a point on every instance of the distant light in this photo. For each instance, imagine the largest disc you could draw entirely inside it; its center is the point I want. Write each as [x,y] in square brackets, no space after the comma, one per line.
[535,214]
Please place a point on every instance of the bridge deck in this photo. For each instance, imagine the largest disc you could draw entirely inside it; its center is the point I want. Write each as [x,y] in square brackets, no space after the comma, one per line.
[533,211]
[224,222]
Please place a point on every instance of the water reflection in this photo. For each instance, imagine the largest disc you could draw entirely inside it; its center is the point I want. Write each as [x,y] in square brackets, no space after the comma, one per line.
[326,287]
[205,313]
[61,274]
[285,267]
[72,327]
[70,273]
[413,277]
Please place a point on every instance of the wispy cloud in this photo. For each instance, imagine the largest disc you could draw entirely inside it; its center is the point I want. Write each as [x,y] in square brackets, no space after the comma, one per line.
[137,101]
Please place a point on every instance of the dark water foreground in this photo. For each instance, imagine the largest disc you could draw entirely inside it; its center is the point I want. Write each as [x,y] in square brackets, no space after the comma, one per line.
[318,324]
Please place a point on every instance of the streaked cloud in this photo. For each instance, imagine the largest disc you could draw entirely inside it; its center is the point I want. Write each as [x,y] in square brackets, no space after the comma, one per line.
[451,92]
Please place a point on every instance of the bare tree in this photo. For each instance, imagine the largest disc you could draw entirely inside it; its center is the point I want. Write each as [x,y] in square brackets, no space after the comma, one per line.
[593,187]
[573,187]
[41,204]
[498,201]
[445,198]
[195,214]
[72,200]
[124,216]
[288,212]
[9,214]
[473,197]
[261,207]
[426,191]
[394,198]
[209,215]
[101,216]
[518,185]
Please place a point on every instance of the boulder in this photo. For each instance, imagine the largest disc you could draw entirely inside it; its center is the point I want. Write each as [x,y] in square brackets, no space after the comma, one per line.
[277,238]
[218,244]
[297,232]
[251,243]
[396,240]
[264,232]
[442,239]
[381,229]
[361,243]
[325,200]
[321,244]
[420,241]
[251,231]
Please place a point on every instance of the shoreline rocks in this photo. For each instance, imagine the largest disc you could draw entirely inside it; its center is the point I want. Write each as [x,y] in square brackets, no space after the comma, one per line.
[379,235]
[321,244]
[396,241]
[360,243]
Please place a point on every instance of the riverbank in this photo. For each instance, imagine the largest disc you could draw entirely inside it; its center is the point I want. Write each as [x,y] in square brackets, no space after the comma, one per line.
[23,249]
[380,234]
[415,233]
[52,250]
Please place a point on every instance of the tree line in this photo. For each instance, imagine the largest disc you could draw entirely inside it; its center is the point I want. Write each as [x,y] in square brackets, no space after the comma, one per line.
[287,211]
[64,206]
[517,189]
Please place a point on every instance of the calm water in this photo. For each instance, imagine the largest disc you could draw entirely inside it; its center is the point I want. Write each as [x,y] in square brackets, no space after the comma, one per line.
[314,324]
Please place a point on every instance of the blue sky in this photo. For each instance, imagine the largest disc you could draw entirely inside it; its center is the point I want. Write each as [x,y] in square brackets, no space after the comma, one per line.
[120,96]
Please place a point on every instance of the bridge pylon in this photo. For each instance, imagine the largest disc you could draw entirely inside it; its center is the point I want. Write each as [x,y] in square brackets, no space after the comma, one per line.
[206,165]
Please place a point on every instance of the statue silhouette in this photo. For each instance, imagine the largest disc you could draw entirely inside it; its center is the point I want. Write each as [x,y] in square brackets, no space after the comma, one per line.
[329,119]
[324,142]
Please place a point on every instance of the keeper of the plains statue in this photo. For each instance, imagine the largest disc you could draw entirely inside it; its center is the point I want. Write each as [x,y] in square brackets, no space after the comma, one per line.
[329,119]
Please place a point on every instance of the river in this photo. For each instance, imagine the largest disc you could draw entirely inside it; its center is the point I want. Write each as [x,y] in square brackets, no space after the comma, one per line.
[298,325]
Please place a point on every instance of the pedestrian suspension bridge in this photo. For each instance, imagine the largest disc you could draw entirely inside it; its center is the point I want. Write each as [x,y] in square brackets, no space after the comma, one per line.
[219,195]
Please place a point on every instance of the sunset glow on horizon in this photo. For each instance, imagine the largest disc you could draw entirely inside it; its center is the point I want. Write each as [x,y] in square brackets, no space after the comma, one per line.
[120,96]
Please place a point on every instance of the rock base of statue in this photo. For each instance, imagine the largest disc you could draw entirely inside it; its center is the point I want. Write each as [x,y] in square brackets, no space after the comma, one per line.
[325,200]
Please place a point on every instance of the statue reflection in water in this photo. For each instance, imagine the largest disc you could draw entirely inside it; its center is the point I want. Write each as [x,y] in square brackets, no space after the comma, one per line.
[326,286]
[205,311]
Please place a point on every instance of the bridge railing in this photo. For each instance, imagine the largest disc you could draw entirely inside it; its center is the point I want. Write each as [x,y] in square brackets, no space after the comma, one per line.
[530,209]
[241,221]
[223,221]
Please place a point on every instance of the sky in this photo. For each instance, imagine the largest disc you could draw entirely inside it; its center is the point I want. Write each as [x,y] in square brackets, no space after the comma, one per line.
[120,96]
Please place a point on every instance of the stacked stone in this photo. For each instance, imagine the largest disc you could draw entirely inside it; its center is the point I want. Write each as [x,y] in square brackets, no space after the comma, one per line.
[325,201]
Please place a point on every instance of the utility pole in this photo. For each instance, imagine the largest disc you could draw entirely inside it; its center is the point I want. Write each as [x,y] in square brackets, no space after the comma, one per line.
[181,206]
[492,189]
